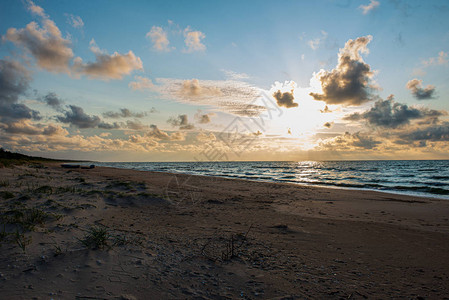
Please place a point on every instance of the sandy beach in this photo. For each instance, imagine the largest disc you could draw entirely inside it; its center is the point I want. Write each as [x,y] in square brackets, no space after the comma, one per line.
[108,233]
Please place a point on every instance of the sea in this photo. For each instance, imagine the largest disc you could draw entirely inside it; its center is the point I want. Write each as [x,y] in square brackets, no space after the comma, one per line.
[428,178]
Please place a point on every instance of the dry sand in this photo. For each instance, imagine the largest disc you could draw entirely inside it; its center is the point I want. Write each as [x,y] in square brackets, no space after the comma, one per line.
[177,236]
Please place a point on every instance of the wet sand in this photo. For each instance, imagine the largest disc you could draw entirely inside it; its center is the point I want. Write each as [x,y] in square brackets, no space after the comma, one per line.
[169,236]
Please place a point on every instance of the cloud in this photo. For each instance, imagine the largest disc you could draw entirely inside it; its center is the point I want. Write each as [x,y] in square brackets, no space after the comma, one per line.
[203,118]
[420,93]
[431,133]
[17,111]
[315,43]
[54,130]
[348,83]
[325,110]
[285,99]
[135,125]
[52,100]
[349,141]
[235,97]
[142,83]
[193,40]
[441,59]
[390,114]
[36,9]
[156,133]
[231,75]
[77,117]
[373,4]
[74,21]
[203,137]
[192,88]
[181,121]
[107,66]
[123,113]
[328,124]
[51,51]
[139,139]
[14,82]
[159,39]
[26,127]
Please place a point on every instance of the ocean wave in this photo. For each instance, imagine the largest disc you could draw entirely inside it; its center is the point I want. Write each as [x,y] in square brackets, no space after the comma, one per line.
[411,177]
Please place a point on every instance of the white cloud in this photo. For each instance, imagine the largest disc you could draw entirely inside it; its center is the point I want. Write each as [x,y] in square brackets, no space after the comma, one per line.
[441,59]
[142,83]
[159,39]
[74,21]
[234,75]
[230,96]
[193,40]
[107,66]
[36,9]
[373,4]
[315,43]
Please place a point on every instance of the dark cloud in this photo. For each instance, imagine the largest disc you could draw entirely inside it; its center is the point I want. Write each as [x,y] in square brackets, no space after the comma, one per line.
[285,99]
[77,117]
[203,118]
[51,99]
[181,121]
[327,125]
[431,133]
[348,83]
[325,110]
[363,141]
[349,141]
[390,114]
[420,93]
[14,82]
[114,125]
[17,111]
[123,113]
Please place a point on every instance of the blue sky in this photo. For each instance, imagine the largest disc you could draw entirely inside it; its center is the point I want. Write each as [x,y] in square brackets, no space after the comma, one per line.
[215,56]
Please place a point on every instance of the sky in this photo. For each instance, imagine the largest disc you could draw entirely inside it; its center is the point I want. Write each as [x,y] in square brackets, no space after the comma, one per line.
[225,80]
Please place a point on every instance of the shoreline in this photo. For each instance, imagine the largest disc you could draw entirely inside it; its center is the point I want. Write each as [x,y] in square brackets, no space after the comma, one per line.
[169,236]
[318,185]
